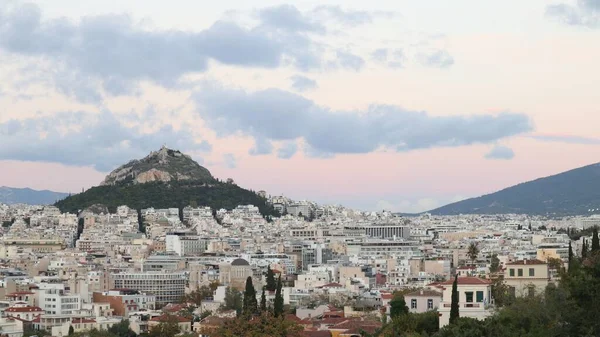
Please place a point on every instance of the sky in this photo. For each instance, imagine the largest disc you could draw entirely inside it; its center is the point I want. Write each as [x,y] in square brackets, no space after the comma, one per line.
[395,105]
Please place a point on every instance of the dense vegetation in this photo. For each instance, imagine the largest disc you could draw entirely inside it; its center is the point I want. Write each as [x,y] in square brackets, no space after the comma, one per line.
[574,192]
[165,195]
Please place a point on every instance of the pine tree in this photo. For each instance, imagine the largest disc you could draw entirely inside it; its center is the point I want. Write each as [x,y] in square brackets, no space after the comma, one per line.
[454,313]
[584,249]
[278,305]
[263,301]
[250,306]
[595,240]
[271,283]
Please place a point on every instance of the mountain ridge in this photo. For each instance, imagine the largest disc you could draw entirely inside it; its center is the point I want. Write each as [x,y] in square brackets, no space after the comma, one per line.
[29,196]
[573,192]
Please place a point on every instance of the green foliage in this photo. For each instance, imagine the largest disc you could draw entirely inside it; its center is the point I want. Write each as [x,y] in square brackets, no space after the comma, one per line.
[233,300]
[121,329]
[278,309]
[250,306]
[473,251]
[29,332]
[264,325]
[595,240]
[494,264]
[271,283]
[168,328]
[263,301]
[71,331]
[454,314]
[175,194]
[398,306]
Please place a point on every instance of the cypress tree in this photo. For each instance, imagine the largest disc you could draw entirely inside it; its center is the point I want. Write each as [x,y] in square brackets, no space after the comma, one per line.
[584,249]
[278,305]
[570,254]
[595,240]
[271,284]
[263,301]
[454,313]
[250,306]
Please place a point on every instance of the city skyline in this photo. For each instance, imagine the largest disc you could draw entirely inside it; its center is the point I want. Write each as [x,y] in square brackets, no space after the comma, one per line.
[393,106]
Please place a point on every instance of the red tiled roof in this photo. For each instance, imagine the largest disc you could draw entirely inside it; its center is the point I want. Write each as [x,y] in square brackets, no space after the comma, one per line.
[166,318]
[24,309]
[386,296]
[468,280]
[525,262]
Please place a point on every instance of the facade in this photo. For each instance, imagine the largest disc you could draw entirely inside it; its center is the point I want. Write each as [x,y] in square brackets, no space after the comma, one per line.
[474,298]
[167,286]
[235,274]
[526,277]
[423,300]
[124,301]
[56,301]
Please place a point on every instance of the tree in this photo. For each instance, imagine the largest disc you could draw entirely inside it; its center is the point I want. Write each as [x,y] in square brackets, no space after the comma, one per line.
[197,296]
[398,306]
[473,252]
[263,325]
[595,241]
[278,309]
[233,300]
[584,250]
[570,254]
[250,306]
[271,283]
[168,327]
[122,329]
[263,301]
[494,264]
[71,330]
[454,313]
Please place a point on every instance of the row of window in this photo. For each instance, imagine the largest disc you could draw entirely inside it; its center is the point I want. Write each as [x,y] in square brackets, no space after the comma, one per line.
[511,272]
[413,304]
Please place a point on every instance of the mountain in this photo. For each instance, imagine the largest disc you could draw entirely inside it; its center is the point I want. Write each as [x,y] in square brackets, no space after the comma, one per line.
[12,196]
[164,165]
[164,179]
[575,192]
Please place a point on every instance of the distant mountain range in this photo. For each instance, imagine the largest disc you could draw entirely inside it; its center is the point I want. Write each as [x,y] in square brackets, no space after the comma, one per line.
[575,192]
[164,179]
[11,196]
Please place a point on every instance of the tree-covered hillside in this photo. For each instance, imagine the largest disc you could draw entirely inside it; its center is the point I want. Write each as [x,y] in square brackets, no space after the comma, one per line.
[574,192]
[164,195]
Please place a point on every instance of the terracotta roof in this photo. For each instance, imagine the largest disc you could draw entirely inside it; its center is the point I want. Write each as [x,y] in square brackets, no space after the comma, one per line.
[387,296]
[213,320]
[525,262]
[468,280]
[24,309]
[425,293]
[318,333]
[166,318]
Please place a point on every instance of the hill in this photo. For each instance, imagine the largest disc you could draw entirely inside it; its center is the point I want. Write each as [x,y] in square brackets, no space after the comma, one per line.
[164,179]
[10,196]
[574,192]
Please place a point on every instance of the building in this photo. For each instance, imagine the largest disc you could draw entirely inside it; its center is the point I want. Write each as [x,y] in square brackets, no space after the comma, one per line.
[423,300]
[526,277]
[185,324]
[167,286]
[235,274]
[57,301]
[124,301]
[474,298]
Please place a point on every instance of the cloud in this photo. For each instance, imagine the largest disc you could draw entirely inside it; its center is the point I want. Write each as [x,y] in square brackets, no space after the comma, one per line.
[500,152]
[230,160]
[288,150]
[283,116]
[570,139]
[85,139]
[289,18]
[583,13]
[391,58]
[348,60]
[262,146]
[303,83]
[349,17]
[436,58]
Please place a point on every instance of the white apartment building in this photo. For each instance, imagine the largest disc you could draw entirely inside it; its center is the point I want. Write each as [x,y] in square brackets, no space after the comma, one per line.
[58,301]
[167,286]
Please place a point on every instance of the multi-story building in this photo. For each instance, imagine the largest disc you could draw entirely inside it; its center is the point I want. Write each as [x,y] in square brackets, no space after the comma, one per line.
[423,300]
[56,301]
[526,277]
[474,298]
[124,301]
[167,286]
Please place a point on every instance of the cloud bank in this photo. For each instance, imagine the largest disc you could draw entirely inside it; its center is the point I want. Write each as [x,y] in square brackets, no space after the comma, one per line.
[583,13]
[278,115]
[500,152]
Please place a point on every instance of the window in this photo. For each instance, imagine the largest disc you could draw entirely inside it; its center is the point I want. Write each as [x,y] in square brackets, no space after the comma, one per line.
[469,296]
[531,291]
[512,272]
[531,272]
[479,297]
[429,304]
[413,303]
[520,272]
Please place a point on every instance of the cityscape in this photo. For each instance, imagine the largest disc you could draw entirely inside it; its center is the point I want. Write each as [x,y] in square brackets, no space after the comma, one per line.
[269,169]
